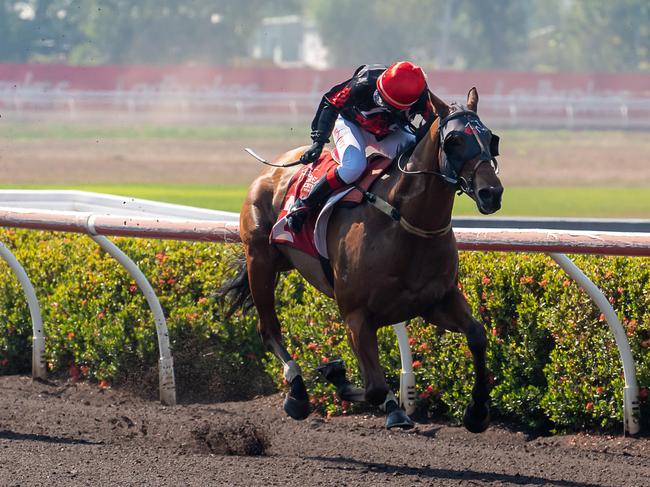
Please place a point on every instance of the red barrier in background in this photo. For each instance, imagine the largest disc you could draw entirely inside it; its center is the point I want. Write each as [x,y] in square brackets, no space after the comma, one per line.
[245,80]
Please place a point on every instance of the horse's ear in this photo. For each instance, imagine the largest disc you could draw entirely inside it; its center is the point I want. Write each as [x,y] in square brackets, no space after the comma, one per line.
[472,99]
[441,108]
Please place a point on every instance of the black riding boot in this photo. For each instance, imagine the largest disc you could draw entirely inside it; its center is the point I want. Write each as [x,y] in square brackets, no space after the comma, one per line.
[301,208]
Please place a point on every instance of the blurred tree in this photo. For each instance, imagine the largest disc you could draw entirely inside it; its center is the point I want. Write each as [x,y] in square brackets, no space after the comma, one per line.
[361,32]
[613,36]
[35,30]
[123,31]
[462,33]
[163,31]
[548,35]
[492,34]
[12,33]
[591,35]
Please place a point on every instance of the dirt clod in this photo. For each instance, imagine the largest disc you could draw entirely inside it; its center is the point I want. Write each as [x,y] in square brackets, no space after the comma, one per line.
[243,439]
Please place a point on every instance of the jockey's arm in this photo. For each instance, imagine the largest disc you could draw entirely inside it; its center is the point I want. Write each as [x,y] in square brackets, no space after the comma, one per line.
[328,110]
[425,106]
[323,123]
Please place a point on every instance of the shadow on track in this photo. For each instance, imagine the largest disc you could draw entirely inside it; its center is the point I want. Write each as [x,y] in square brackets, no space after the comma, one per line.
[12,435]
[445,473]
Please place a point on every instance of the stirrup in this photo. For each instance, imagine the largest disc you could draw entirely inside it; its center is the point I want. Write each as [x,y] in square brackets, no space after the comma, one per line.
[296,218]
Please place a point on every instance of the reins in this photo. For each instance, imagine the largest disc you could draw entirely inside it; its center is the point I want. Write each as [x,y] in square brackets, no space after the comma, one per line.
[393,212]
[388,209]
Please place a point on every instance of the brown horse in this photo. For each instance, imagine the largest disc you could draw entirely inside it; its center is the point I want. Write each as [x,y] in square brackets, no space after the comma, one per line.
[385,270]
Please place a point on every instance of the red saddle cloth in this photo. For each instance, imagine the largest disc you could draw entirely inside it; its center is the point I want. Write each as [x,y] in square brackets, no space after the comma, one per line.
[301,184]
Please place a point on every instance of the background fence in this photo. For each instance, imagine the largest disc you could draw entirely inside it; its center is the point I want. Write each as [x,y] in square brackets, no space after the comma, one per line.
[509,99]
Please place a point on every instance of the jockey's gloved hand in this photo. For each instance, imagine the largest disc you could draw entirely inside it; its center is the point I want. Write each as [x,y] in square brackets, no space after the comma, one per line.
[313,153]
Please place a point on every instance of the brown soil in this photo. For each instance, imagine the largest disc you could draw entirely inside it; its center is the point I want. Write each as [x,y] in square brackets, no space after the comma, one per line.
[64,434]
[131,161]
[575,159]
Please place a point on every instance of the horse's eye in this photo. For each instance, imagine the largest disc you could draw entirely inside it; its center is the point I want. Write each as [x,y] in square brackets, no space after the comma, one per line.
[454,144]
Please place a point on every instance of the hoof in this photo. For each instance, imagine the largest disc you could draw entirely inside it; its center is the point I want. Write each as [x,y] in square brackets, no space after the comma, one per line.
[296,404]
[476,419]
[296,408]
[397,418]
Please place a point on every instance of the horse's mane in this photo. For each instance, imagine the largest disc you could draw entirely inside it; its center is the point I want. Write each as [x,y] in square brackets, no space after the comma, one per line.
[423,129]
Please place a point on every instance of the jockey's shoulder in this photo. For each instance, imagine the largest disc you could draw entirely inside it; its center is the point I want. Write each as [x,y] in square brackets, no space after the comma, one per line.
[369,69]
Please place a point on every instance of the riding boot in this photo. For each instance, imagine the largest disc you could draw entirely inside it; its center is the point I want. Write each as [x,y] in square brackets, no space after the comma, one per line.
[319,193]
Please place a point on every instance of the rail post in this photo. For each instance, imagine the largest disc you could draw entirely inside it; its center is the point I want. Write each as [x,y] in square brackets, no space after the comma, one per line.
[39,370]
[631,391]
[167,384]
[407,377]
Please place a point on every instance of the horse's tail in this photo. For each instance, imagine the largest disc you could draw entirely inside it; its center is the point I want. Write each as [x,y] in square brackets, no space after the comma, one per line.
[236,293]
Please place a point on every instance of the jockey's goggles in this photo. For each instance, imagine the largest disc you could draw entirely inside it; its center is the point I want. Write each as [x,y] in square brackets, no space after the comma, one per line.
[380,102]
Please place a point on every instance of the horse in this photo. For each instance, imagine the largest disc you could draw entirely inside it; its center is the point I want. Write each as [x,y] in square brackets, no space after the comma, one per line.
[387,266]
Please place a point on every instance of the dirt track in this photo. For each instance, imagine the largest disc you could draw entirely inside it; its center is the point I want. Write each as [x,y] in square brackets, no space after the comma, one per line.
[62,434]
[573,159]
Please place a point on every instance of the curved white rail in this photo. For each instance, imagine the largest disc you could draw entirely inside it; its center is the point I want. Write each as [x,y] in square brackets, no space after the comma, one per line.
[166,363]
[39,369]
[631,391]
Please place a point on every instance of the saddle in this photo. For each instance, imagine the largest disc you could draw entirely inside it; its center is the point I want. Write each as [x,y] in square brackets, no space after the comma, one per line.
[300,185]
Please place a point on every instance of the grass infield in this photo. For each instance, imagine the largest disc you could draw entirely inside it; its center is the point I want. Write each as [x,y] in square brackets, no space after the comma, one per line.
[517,201]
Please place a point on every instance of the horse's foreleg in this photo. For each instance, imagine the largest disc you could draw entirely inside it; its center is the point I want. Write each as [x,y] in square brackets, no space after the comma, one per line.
[262,271]
[453,313]
[334,372]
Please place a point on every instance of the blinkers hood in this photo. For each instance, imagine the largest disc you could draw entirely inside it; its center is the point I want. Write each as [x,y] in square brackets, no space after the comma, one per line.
[463,137]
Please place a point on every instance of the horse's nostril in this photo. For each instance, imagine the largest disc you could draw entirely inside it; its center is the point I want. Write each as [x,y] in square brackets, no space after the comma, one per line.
[485,195]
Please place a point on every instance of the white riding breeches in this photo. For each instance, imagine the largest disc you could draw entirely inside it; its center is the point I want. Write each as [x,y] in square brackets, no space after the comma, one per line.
[352,141]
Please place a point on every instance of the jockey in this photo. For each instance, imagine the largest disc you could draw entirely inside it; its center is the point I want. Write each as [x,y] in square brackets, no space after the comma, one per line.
[372,109]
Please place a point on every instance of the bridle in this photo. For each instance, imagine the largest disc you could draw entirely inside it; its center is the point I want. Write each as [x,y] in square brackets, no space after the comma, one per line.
[450,174]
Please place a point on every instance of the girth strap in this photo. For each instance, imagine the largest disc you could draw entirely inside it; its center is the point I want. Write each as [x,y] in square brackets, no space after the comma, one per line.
[394,213]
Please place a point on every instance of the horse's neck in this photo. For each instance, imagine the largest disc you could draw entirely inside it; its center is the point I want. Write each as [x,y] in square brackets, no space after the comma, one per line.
[426,201]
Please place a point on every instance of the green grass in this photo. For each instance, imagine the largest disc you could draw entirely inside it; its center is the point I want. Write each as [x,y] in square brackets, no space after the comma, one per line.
[227,198]
[517,201]
[569,202]
[32,131]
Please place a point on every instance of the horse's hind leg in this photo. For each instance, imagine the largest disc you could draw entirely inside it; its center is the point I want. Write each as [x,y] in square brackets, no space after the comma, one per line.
[362,336]
[262,261]
[363,341]
[453,313]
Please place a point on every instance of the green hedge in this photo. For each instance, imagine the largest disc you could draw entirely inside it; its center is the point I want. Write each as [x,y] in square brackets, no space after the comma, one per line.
[554,364]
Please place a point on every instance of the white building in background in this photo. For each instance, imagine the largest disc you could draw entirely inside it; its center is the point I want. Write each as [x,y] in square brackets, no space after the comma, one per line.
[290,41]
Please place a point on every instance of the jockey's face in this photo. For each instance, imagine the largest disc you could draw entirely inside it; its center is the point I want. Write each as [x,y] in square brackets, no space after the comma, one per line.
[380,102]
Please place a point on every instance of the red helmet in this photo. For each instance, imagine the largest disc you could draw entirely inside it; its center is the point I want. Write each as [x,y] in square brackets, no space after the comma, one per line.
[401,84]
